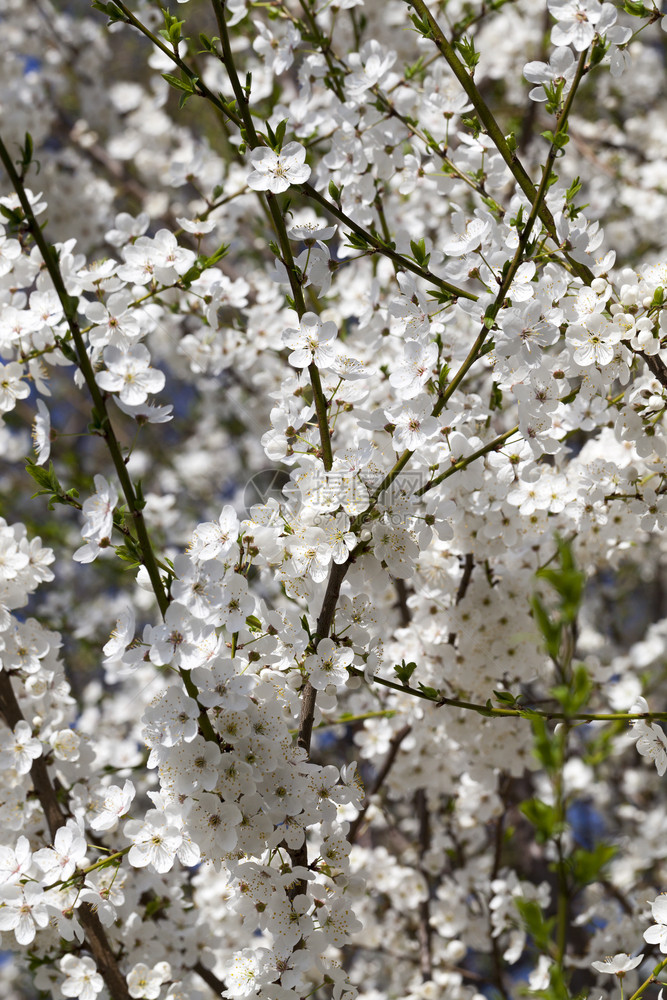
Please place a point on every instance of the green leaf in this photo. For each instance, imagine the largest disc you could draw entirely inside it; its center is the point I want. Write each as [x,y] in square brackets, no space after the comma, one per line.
[466,49]
[587,865]
[26,152]
[415,69]
[472,123]
[14,216]
[505,697]
[185,84]
[127,555]
[443,377]
[496,400]
[567,580]
[114,13]
[357,242]
[543,817]
[534,922]
[418,248]
[551,630]
[423,27]
[45,478]
[280,134]
[578,691]
[172,29]
[139,501]
[404,671]
[156,906]
[208,44]
[545,748]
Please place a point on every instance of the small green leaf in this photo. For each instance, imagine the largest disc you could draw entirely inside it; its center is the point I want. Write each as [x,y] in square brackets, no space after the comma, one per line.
[423,27]
[185,84]
[114,13]
[418,248]
[280,134]
[469,54]
[551,630]
[357,242]
[404,671]
[43,477]
[543,817]
[587,865]
[534,922]
[505,697]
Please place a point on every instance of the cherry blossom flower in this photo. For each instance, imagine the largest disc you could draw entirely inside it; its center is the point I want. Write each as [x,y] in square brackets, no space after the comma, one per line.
[425,586]
[329,664]
[235,602]
[98,510]
[12,386]
[276,49]
[145,982]
[338,537]
[578,21]
[128,373]
[58,863]
[312,344]
[618,964]
[657,932]
[468,234]
[23,910]
[15,862]
[154,841]
[115,323]
[18,750]
[41,433]
[595,342]
[651,742]
[370,66]
[561,66]
[10,251]
[115,803]
[276,172]
[414,424]
[212,824]
[416,369]
[83,980]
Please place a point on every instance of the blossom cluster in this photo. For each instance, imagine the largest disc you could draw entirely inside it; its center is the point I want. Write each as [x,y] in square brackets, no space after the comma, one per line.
[378,730]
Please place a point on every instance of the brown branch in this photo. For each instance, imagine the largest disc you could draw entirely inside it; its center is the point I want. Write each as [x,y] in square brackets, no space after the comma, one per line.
[464,583]
[402,602]
[392,753]
[424,929]
[217,985]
